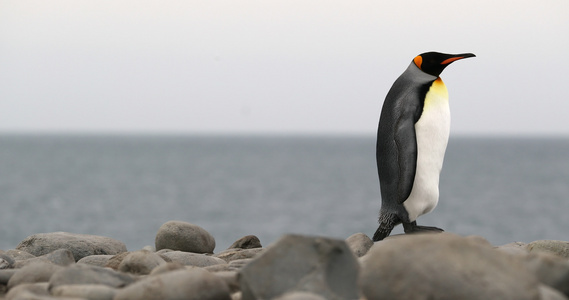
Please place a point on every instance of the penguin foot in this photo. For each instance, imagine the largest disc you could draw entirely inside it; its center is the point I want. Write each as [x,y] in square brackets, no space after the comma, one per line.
[414,228]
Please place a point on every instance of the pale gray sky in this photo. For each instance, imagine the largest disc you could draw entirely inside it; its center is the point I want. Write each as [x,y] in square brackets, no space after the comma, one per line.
[275,66]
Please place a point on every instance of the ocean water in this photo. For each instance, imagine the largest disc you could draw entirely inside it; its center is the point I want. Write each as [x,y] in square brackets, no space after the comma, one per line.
[127,186]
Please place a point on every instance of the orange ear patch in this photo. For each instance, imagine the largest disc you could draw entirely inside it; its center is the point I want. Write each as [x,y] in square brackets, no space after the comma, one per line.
[449,60]
[418,60]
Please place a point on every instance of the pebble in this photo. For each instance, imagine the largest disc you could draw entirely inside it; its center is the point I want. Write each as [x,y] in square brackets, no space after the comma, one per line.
[188,284]
[140,262]
[85,291]
[87,274]
[33,273]
[359,243]
[193,259]
[296,267]
[61,257]
[6,262]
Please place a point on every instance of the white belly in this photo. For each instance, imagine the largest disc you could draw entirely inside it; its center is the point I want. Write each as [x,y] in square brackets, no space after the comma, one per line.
[432,131]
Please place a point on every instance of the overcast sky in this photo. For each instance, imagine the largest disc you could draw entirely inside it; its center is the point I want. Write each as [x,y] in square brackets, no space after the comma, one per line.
[275,66]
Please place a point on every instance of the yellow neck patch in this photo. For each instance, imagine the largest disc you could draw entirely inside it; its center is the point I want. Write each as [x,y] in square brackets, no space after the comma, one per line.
[437,94]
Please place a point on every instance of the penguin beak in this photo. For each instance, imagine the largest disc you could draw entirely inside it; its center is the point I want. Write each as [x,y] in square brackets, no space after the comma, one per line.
[457,57]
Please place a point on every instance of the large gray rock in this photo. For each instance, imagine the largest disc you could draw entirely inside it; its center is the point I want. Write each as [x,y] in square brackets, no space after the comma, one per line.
[190,284]
[549,293]
[140,262]
[80,245]
[323,266]
[85,291]
[61,257]
[359,243]
[246,242]
[33,273]
[183,236]
[87,274]
[550,269]
[560,248]
[443,266]
[193,259]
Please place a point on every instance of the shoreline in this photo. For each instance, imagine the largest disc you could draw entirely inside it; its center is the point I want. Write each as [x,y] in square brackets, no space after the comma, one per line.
[183,265]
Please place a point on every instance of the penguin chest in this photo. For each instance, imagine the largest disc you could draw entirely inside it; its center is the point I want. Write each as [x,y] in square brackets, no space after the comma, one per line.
[432,132]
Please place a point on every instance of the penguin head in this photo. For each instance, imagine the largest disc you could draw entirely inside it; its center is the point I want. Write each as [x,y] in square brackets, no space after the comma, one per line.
[434,63]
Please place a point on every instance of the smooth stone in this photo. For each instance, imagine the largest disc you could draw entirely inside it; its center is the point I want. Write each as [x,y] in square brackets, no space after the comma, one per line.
[30,289]
[61,257]
[5,275]
[6,262]
[19,254]
[193,259]
[549,269]
[231,280]
[33,273]
[140,262]
[516,248]
[359,243]
[115,261]
[240,263]
[319,265]
[96,260]
[183,236]
[87,274]
[246,242]
[167,267]
[237,253]
[80,245]
[85,291]
[236,296]
[443,266]
[300,296]
[220,268]
[189,284]
[549,293]
[560,248]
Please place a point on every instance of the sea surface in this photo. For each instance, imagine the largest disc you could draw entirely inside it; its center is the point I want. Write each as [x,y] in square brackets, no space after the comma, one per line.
[127,186]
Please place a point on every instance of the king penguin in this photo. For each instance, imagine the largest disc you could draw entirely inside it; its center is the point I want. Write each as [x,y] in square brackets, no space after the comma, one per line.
[412,137]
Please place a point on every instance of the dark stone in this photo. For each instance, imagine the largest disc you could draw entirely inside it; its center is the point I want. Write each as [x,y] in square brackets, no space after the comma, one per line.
[246,242]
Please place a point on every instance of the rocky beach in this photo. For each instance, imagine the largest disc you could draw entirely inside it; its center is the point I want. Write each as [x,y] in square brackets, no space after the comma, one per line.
[184,264]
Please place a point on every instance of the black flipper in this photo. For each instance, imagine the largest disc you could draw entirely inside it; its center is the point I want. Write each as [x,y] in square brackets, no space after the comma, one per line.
[386,224]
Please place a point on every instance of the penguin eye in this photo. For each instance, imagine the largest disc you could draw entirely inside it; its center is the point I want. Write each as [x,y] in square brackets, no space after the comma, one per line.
[418,61]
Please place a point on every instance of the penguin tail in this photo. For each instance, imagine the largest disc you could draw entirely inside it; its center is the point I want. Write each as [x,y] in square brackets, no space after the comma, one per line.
[386,224]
